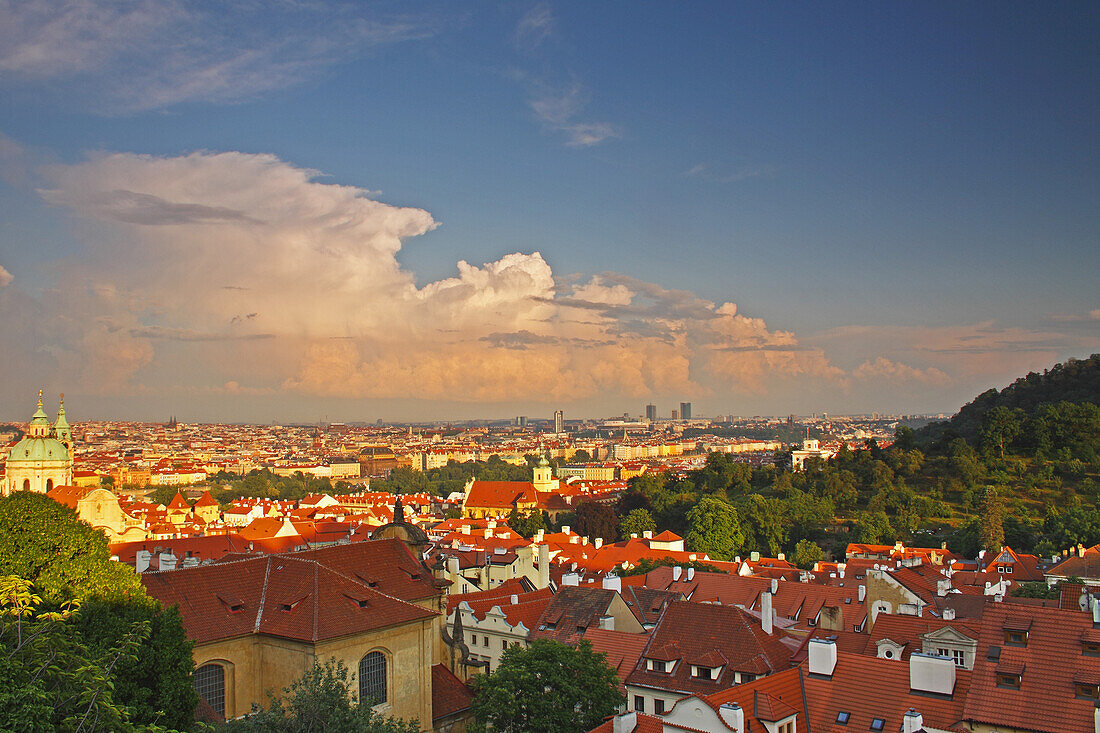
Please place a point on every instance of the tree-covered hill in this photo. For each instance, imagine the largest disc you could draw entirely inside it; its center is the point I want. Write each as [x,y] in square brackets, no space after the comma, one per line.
[1077,381]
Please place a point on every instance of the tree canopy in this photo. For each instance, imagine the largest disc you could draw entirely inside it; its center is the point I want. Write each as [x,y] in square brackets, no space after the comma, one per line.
[548,687]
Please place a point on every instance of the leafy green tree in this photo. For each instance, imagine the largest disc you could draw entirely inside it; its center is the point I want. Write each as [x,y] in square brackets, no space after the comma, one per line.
[46,543]
[548,687]
[320,701]
[596,520]
[873,528]
[765,522]
[154,683]
[527,524]
[1000,426]
[715,529]
[581,456]
[991,527]
[645,565]
[806,554]
[637,522]
[49,681]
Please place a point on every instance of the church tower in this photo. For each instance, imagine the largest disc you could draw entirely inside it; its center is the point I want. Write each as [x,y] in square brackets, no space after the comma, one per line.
[40,461]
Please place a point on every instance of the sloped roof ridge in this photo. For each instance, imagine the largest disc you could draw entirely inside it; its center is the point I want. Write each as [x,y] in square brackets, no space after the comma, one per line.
[357,581]
[263,597]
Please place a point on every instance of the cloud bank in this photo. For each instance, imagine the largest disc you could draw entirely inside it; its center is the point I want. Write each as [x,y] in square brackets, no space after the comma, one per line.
[242,274]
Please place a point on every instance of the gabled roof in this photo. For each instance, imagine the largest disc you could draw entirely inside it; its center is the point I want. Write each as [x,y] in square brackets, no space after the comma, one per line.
[1084,564]
[277,595]
[500,494]
[178,502]
[68,495]
[692,633]
[573,611]
[622,649]
[1053,656]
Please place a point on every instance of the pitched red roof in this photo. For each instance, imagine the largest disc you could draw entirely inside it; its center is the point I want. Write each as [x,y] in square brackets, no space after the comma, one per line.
[178,502]
[206,500]
[620,648]
[277,595]
[450,696]
[500,494]
[1054,654]
[692,633]
[68,495]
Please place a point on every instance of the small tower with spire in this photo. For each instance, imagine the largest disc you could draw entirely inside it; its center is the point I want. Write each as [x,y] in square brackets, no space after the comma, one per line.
[61,430]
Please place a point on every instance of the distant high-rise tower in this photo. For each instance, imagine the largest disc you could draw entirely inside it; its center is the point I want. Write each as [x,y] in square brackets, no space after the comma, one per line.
[521,421]
[559,421]
[651,413]
[685,410]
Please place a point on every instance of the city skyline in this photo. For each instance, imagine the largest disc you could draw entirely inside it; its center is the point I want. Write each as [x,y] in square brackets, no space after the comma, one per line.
[422,212]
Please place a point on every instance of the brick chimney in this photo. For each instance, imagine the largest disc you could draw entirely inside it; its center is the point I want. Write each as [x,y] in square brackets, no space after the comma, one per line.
[766,614]
[544,566]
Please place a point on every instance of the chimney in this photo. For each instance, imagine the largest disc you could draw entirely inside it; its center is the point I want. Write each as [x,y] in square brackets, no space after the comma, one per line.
[488,532]
[913,722]
[539,535]
[597,543]
[570,579]
[781,556]
[948,614]
[1096,720]
[647,534]
[943,587]
[167,561]
[929,673]
[775,585]
[733,716]
[862,593]
[690,573]
[822,656]
[514,599]
[452,565]
[565,529]
[544,566]
[766,618]
[676,570]
[141,560]
[612,582]
[625,723]
[607,623]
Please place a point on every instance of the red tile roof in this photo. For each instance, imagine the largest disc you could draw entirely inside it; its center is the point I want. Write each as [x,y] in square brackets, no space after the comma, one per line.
[621,649]
[278,595]
[450,696]
[1054,654]
[691,634]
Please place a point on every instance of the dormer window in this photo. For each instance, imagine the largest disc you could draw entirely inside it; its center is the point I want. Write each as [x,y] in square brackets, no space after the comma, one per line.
[658,665]
[1015,638]
[1009,679]
[1086,691]
[1090,648]
[704,673]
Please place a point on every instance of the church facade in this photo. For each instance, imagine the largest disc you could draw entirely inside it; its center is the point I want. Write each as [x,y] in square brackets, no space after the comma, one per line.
[43,459]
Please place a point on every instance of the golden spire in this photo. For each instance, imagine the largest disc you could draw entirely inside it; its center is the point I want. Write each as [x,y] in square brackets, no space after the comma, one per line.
[40,398]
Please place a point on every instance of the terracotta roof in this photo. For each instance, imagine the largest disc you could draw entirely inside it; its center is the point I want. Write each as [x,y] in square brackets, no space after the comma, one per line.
[906,631]
[206,500]
[573,610]
[68,495]
[1046,699]
[178,502]
[500,494]
[644,724]
[449,695]
[1080,567]
[693,632]
[621,649]
[278,595]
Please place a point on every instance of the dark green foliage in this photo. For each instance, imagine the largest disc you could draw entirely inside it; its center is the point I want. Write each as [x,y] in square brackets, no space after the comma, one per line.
[155,683]
[320,701]
[715,529]
[806,554]
[548,687]
[452,477]
[50,680]
[637,522]
[1076,381]
[645,565]
[527,523]
[47,544]
[596,520]
[1037,590]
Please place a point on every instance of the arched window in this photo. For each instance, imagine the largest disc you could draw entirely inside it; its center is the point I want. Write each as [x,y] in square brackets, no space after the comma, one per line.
[210,684]
[26,484]
[49,484]
[372,678]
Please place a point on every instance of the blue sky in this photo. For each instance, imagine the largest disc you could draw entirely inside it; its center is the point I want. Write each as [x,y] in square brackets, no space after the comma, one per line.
[901,201]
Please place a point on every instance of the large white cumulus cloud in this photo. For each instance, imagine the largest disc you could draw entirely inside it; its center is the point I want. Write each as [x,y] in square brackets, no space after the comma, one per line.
[236,269]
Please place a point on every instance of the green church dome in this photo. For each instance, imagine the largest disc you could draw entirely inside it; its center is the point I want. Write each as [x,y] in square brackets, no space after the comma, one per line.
[29,450]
